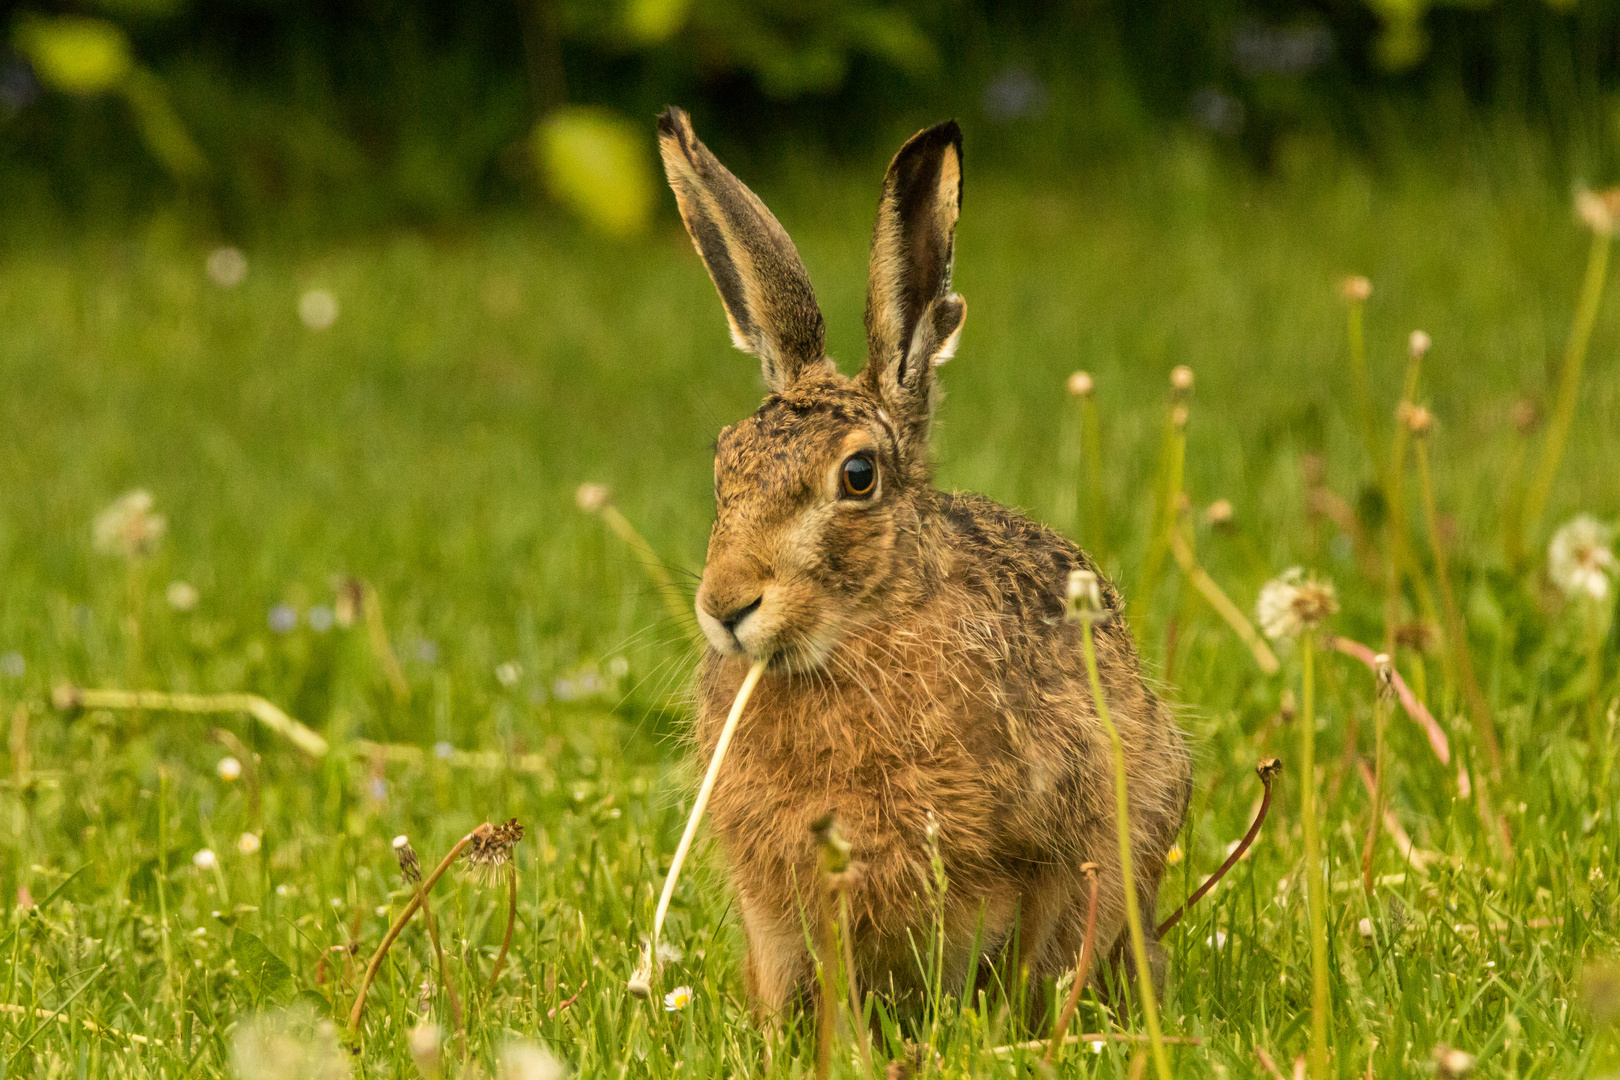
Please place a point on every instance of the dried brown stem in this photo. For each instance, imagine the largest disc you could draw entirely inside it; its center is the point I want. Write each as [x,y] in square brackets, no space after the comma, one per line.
[1267,770]
[511,921]
[404,917]
[1414,708]
[1082,968]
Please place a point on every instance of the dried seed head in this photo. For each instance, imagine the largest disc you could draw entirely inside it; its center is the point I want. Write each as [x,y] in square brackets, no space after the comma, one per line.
[490,854]
[409,868]
[1418,344]
[640,984]
[1292,603]
[1181,378]
[1081,384]
[1219,512]
[1085,597]
[1599,210]
[1384,675]
[1418,420]
[592,498]
[1268,770]
[1355,288]
[1525,416]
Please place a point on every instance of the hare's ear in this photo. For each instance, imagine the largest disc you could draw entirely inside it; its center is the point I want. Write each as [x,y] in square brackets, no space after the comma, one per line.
[762,283]
[913,319]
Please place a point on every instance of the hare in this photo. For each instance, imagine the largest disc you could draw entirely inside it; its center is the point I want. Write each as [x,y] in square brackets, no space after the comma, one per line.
[923,684]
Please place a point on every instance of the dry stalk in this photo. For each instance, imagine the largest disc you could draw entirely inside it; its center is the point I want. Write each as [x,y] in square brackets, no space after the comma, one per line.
[511,923]
[377,634]
[1239,622]
[1409,701]
[411,870]
[641,981]
[67,697]
[1267,770]
[481,832]
[1082,968]
[597,499]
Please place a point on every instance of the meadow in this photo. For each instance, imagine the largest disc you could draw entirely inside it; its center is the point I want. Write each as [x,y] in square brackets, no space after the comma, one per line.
[374,526]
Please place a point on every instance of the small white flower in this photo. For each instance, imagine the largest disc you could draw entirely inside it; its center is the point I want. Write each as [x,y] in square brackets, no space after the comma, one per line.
[509,673]
[229,769]
[1096,1046]
[1580,559]
[129,527]
[678,999]
[182,595]
[1217,940]
[248,843]
[227,267]
[317,309]
[1365,928]
[205,859]
[1291,603]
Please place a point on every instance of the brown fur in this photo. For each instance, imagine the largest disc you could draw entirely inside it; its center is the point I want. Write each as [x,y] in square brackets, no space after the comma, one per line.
[924,685]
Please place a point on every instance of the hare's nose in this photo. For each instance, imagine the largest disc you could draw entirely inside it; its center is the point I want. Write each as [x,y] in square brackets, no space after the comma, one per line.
[736,615]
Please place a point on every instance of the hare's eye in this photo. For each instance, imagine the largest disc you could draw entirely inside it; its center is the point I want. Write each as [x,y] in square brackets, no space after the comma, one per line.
[858,477]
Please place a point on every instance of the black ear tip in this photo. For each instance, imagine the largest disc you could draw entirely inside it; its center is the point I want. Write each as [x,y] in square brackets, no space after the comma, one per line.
[674,121]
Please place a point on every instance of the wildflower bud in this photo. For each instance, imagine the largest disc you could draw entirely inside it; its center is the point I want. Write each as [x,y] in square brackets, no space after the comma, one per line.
[1178,416]
[1355,288]
[409,868]
[592,498]
[1418,344]
[1524,415]
[1181,378]
[1081,384]
[1599,210]
[1219,512]
[1384,674]
[1085,597]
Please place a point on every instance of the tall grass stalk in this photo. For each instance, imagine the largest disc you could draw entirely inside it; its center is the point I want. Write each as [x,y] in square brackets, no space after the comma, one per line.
[1356,290]
[1087,608]
[596,499]
[1569,379]
[1385,691]
[1397,531]
[1315,886]
[1167,508]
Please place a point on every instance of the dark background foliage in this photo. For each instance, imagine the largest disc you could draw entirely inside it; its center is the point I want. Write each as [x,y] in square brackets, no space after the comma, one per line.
[363,112]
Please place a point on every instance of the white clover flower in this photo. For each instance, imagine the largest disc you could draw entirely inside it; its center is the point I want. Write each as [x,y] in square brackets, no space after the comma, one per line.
[229,769]
[1291,603]
[248,843]
[1580,559]
[129,527]
[678,999]
[205,859]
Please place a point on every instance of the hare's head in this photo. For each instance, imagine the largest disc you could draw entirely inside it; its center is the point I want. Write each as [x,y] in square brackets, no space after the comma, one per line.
[818,493]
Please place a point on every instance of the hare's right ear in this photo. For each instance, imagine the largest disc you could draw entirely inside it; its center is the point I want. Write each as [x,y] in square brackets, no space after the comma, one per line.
[762,283]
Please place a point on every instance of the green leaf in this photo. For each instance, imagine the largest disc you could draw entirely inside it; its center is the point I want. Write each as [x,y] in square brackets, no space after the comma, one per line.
[264,971]
[76,54]
[596,163]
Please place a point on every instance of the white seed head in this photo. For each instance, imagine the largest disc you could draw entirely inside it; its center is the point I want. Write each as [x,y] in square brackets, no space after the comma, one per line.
[592,498]
[1418,344]
[528,1061]
[129,527]
[182,595]
[205,859]
[1581,560]
[1081,383]
[249,843]
[1292,603]
[1181,378]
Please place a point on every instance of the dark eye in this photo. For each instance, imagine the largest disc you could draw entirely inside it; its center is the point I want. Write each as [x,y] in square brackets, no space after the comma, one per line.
[858,477]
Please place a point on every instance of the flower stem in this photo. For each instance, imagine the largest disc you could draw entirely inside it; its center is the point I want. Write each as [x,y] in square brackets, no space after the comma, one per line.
[1358,381]
[1133,914]
[1369,849]
[511,921]
[1315,893]
[399,924]
[1569,382]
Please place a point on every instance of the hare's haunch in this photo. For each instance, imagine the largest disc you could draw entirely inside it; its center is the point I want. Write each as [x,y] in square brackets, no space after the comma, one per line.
[923,684]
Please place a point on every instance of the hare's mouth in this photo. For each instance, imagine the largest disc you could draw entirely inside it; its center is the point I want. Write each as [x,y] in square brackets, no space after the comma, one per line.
[768,628]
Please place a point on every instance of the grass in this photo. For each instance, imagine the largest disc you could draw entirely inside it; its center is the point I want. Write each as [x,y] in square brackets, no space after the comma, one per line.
[431,443]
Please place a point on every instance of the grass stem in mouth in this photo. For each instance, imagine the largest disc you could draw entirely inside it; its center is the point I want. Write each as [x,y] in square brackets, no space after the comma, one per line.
[641,981]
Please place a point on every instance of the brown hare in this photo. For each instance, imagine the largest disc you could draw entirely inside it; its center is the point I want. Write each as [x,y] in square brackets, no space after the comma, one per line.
[923,683]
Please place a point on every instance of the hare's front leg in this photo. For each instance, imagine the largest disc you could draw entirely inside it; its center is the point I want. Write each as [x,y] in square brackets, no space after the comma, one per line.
[778,965]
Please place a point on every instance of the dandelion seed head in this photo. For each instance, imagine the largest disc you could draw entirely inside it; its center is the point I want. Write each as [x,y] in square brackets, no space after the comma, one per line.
[227,267]
[248,843]
[1081,383]
[528,1061]
[317,309]
[205,859]
[288,1044]
[1181,378]
[592,498]
[129,527]
[229,769]
[490,852]
[1581,560]
[1085,597]
[1291,603]
[1355,288]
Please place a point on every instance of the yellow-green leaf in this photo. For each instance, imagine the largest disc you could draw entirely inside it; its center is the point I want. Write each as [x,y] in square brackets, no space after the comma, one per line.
[596,163]
[76,54]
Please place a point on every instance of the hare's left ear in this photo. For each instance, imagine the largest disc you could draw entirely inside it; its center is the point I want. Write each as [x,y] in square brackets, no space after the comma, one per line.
[913,319]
